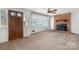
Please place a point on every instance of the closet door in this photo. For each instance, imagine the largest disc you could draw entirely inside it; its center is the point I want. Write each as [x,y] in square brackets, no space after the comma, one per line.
[15,25]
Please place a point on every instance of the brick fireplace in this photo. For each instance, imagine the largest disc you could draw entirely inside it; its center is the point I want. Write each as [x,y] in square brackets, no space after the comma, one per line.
[62,22]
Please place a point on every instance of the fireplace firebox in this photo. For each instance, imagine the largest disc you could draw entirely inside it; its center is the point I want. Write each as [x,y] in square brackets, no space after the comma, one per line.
[61,27]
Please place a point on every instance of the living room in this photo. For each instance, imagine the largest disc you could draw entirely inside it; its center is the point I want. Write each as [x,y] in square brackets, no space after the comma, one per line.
[41,28]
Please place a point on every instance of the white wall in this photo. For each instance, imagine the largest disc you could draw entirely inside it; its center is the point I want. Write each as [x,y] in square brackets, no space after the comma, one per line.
[75,22]
[52,23]
[0,35]
[3,29]
[4,36]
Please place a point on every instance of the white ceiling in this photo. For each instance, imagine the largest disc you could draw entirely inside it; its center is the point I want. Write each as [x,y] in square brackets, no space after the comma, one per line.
[60,10]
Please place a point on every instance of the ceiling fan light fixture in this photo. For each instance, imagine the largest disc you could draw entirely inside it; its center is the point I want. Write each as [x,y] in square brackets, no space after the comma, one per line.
[51,10]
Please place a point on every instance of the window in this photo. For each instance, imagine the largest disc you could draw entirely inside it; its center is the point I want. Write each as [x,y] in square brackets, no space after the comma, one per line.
[13,14]
[39,20]
[19,14]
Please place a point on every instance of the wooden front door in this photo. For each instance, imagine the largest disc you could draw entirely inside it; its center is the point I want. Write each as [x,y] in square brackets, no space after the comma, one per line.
[15,25]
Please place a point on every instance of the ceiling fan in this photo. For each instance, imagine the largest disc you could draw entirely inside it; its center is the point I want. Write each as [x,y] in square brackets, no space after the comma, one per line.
[51,10]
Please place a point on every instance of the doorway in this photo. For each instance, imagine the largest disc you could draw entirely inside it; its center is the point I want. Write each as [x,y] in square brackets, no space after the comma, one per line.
[15,25]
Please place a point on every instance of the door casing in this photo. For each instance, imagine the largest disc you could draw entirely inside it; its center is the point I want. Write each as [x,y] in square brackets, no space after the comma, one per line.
[15,25]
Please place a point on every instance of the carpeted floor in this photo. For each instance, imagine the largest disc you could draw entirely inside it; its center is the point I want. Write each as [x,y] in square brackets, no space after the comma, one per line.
[44,41]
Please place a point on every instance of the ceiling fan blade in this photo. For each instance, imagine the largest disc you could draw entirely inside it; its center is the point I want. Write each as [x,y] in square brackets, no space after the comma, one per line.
[55,10]
[52,10]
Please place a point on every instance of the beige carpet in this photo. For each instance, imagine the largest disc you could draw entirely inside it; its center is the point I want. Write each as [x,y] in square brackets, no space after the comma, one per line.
[44,41]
